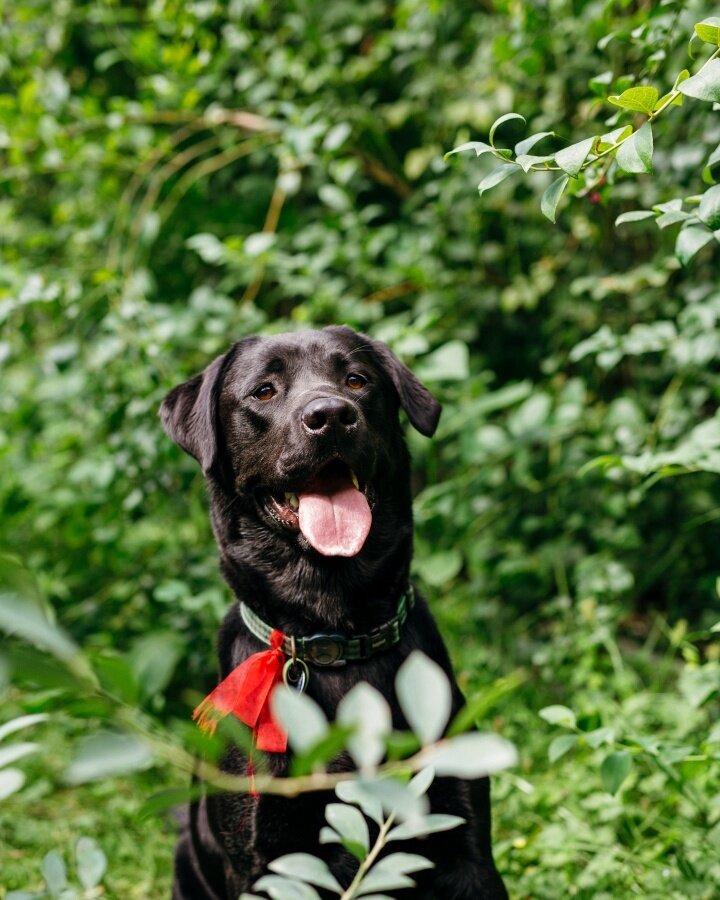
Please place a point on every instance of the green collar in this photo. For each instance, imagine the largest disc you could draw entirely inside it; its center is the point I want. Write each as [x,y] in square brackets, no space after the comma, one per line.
[333,649]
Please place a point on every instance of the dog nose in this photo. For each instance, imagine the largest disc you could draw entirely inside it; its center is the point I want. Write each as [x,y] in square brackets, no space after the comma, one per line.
[324,413]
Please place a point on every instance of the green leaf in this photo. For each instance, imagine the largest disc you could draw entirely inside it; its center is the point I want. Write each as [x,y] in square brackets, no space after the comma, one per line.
[471,756]
[709,210]
[448,362]
[615,769]
[705,85]
[709,31]
[560,746]
[90,861]
[106,754]
[25,619]
[478,146]
[690,241]
[496,176]
[54,872]
[11,780]
[571,158]
[399,798]
[366,711]
[551,197]
[383,881]
[498,122]
[526,162]
[526,145]
[638,99]
[306,868]
[13,752]
[21,722]
[558,715]
[403,863]
[606,141]
[712,162]
[153,658]
[425,696]
[357,792]
[301,717]
[635,154]
[350,824]
[431,824]
[635,215]
[280,888]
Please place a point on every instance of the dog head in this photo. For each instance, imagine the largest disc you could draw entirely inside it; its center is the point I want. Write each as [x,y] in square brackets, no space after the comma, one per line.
[301,433]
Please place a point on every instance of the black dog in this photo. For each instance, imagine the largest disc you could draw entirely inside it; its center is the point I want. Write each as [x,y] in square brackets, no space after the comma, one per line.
[308,473]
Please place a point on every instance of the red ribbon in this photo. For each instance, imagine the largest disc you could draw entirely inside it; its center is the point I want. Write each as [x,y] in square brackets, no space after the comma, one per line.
[246,693]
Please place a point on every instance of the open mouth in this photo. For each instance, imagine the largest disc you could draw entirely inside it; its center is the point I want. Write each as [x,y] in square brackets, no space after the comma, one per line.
[331,510]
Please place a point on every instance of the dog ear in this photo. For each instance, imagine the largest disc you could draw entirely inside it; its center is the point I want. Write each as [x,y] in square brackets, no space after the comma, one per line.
[189,414]
[422,408]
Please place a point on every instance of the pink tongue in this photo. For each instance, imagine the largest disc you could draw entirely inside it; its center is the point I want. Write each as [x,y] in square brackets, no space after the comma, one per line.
[335,519]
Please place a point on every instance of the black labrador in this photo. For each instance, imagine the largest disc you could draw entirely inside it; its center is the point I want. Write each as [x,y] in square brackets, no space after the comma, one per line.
[308,473]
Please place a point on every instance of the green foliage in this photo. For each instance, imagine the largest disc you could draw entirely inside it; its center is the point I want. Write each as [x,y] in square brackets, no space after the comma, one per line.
[178,176]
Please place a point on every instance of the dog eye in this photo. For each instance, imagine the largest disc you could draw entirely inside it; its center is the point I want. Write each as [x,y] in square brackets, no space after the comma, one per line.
[355,381]
[265,392]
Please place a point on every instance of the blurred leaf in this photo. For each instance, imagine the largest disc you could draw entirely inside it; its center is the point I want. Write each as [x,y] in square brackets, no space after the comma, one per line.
[367,711]
[11,780]
[615,769]
[90,862]
[560,745]
[471,756]
[558,715]
[21,722]
[498,122]
[301,717]
[307,868]
[106,754]
[280,888]
[425,696]
[635,215]
[690,241]
[54,873]
[431,824]
[709,209]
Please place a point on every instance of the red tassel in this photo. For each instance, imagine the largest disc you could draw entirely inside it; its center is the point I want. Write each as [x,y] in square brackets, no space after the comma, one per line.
[246,693]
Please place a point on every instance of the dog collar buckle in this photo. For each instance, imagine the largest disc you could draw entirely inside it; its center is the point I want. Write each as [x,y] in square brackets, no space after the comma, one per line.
[324,649]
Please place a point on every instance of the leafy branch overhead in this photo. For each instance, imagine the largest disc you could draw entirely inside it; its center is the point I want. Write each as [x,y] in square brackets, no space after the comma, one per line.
[586,164]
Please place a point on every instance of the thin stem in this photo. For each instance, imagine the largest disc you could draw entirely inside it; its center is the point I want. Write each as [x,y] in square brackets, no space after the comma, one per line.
[369,859]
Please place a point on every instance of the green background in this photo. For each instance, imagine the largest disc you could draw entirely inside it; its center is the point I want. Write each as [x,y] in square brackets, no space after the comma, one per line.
[177,175]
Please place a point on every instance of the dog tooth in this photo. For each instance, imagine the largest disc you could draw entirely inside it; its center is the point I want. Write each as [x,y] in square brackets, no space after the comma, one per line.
[354,479]
[292,500]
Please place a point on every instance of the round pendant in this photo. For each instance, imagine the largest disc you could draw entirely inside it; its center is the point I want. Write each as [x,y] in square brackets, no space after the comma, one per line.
[296,675]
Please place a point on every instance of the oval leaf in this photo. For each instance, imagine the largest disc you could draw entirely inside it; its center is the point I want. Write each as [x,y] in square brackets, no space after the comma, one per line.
[558,715]
[709,210]
[280,888]
[635,154]
[560,746]
[571,158]
[106,754]
[301,717]
[690,241]
[635,215]
[498,122]
[551,197]
[54,872]
[307,868]
[472,756]
[478,146]
[523,147]
[709,31]
[350,824]
[615,769]
[90,861]
[705,85]
[366,710]
[496,176]
[11,780]
[425,696]
[638,99]
[427,825]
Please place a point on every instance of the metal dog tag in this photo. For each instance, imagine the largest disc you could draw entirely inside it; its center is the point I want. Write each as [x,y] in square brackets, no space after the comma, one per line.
[296,675]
